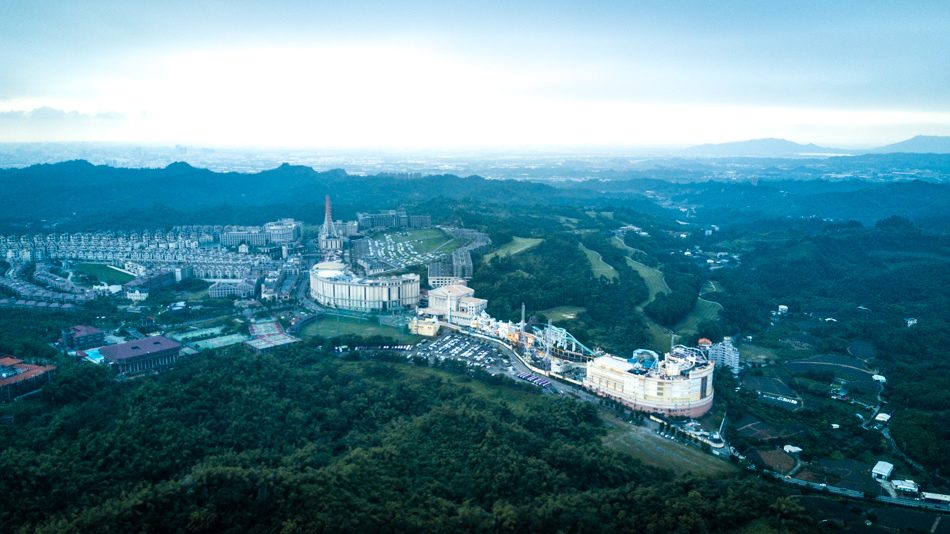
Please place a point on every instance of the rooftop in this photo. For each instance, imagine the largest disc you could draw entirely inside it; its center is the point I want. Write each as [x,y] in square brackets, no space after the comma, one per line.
[81,330]
[268,342]
[138,348]
[14,370]
[452,290]
[265,327]
[883,468]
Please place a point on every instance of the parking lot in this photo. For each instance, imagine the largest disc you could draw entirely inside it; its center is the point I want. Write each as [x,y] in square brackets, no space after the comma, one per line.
[403,249]
[475,352]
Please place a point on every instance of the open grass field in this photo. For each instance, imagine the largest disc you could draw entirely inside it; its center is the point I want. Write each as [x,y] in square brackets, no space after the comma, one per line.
[562,313]
[568,221]
[517,244]
[105,273]
[194,296]
[652,277]
[598,265]
[710,287]
[617,242]
[704,310]
[330,327]
[652,449]
[442,243]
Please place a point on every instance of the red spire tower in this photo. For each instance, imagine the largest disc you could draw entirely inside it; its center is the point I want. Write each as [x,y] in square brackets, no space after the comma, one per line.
[328,221]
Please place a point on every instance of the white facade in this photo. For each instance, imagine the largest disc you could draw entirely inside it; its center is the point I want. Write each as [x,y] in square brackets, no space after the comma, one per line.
[679,385]
[336,289]
[456,303]
[284,231]
[725,355]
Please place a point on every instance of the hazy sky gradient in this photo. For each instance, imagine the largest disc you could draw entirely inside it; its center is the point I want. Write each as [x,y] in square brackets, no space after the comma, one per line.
[434,74]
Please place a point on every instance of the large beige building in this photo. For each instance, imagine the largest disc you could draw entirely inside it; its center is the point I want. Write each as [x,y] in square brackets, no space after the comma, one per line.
[333,287]
[456,304]
[679,385]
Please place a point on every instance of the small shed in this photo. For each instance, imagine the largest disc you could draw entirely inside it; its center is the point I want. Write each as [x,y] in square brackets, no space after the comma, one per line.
[882,470]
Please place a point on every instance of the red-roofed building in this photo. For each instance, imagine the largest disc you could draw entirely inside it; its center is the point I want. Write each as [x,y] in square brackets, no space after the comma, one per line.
[141,355]
[81,337]
[18,379]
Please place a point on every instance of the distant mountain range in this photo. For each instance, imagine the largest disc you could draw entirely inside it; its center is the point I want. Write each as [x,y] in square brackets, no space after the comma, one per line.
[770,147]
[922,144]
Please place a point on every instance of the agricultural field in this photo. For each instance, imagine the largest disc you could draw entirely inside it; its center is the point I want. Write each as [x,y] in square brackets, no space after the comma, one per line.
[598,265]
[779,461]
[755,354]
[769,386]
[517,244]
[751,427]
[843,367]
[105,273]
[330,327]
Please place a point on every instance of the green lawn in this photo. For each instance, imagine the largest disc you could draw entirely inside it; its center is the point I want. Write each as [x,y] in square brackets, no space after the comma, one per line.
[105,273]
[704,310]
[652,277]
[568,221]
[424,246]
[517,244]
[562,313]
[710,287]
[598,265]
[329,327]
[194,296]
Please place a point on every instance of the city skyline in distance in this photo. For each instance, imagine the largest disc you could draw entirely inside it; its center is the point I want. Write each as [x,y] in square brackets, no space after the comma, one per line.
[421,76]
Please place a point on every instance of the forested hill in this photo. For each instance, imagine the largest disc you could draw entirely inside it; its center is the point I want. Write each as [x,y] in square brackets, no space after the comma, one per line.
[725,203]
[80,196]
[300,441]
[59,190]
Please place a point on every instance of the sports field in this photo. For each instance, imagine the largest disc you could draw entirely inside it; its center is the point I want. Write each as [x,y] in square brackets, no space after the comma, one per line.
[598,265]
[517,244]
[105,273]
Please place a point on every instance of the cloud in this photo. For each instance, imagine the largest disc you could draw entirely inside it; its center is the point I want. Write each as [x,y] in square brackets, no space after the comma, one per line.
[51,124]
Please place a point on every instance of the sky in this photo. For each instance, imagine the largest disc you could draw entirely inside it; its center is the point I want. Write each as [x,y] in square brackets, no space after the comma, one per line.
[442,75]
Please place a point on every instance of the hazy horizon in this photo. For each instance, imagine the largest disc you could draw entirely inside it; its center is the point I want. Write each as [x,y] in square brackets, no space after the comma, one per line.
[489,76]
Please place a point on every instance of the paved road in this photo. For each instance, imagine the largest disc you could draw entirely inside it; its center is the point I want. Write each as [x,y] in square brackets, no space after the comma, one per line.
[900,501]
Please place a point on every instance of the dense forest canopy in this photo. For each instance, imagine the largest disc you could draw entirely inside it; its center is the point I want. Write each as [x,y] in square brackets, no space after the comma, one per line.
[78,195]
[301,441]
